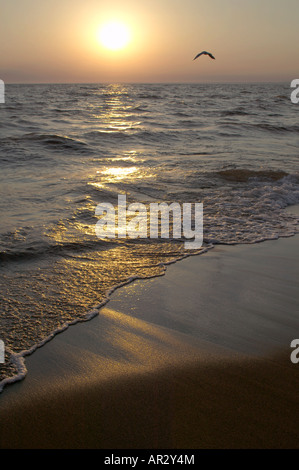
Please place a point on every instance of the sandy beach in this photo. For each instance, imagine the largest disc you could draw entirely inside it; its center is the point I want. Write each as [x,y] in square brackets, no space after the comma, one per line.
[142,375]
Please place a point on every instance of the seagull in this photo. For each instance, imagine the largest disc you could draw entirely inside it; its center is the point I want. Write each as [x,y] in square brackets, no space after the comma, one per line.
[204,53]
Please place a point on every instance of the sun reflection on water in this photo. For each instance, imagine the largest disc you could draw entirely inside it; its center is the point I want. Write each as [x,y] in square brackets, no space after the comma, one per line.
[114,175]
[116,111]
[118,173]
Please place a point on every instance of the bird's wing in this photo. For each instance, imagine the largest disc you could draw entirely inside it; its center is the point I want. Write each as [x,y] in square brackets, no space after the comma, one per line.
[204,53]
[198,55]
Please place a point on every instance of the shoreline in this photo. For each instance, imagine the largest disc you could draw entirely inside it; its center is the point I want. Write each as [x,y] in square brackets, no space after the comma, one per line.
[20,358]
[139,375]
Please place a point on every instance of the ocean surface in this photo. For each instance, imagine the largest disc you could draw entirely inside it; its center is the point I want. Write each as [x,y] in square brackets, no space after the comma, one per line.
[66,148]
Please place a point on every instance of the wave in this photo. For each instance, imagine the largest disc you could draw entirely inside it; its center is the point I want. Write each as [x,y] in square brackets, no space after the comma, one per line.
[42,249]
[134,134]
[150,96]
[243,175]
[53,141]
[235,112]
[102,134]
[273,128]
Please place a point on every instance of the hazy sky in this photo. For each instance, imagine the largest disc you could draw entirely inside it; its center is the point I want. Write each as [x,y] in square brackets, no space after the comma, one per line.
[56,40]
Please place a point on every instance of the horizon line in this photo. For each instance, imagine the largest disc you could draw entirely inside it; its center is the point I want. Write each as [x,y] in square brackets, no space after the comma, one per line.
[208,82]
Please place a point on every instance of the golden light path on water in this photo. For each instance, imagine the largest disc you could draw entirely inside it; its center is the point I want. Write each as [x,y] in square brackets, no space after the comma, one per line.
[110,176]
[117,115]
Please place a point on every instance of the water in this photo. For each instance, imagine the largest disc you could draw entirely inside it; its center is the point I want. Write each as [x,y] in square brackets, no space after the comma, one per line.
[66,148]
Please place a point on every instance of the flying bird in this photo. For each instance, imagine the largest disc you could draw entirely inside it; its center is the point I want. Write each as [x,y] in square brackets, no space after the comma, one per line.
[204,53]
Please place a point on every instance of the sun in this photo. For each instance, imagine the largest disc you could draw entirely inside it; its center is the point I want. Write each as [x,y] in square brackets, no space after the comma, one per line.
[114,35]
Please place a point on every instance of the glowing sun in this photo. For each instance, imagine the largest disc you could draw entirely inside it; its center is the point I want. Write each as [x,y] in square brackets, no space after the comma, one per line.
[114,36]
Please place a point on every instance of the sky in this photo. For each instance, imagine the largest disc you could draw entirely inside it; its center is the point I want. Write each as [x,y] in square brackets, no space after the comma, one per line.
[57,41]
